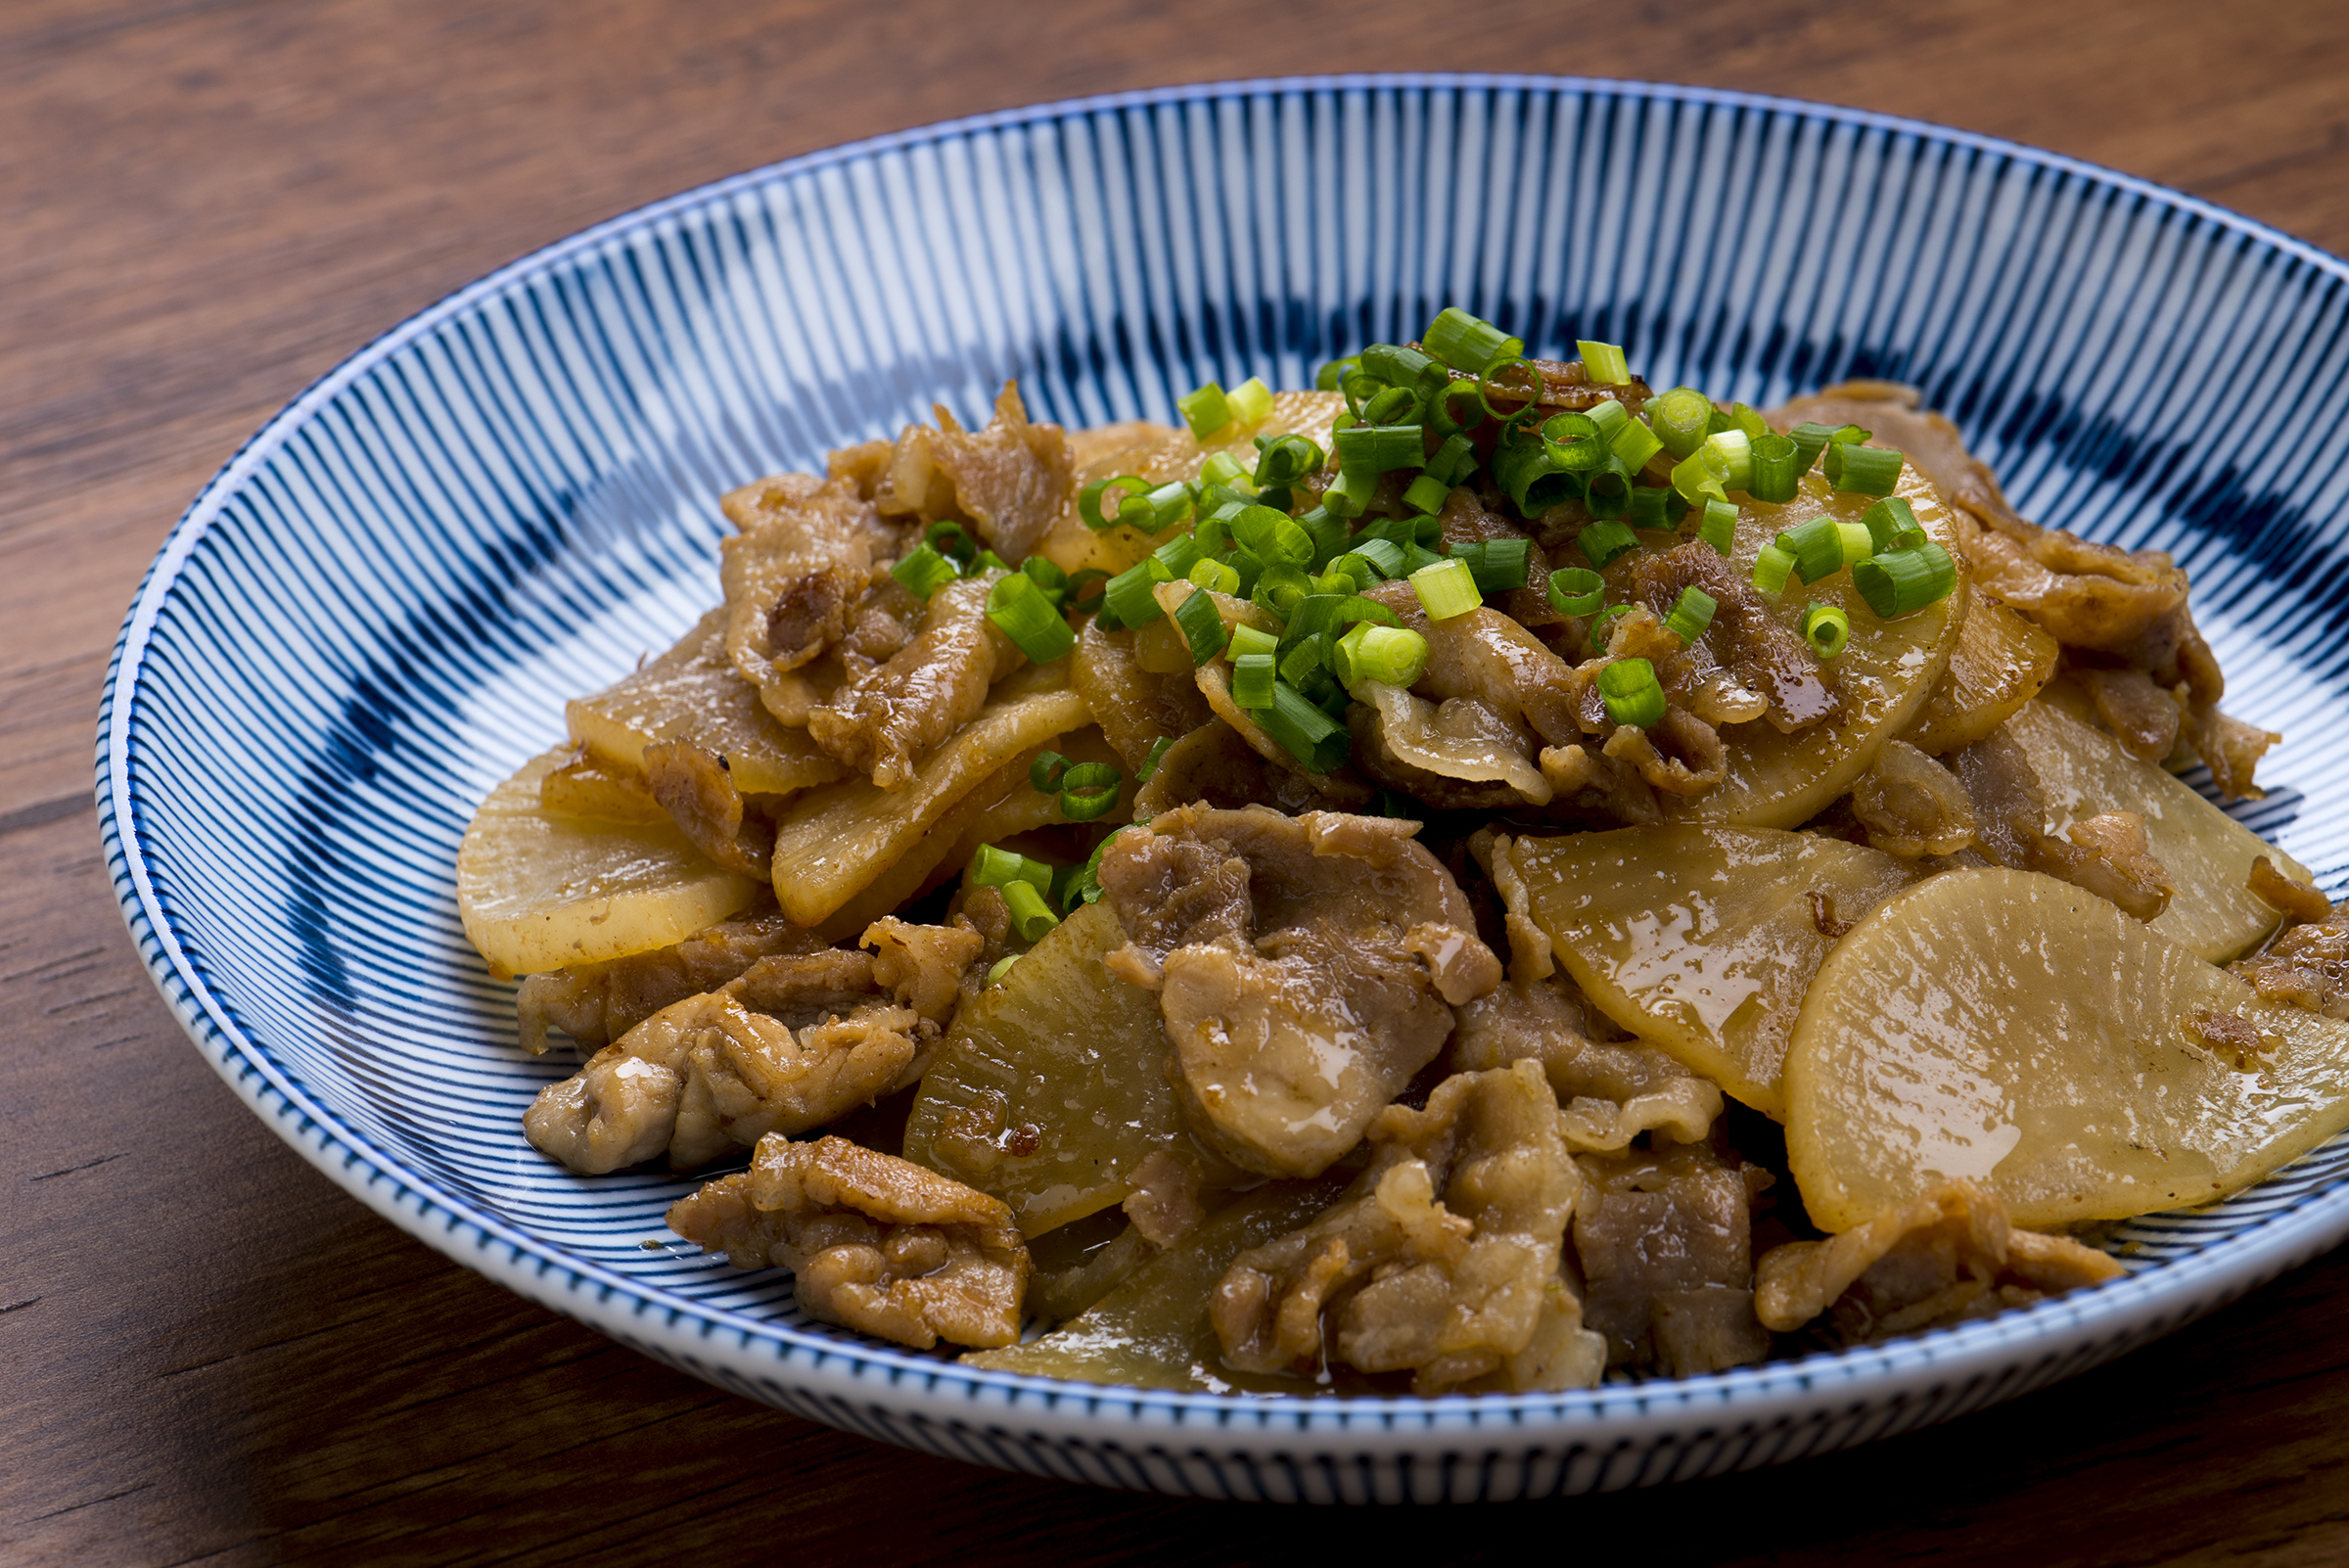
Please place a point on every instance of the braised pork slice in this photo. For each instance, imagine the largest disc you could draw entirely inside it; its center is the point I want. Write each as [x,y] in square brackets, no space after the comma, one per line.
[792,1042]
[1936,1260]
[1746,641]
[1441,1259]
[1665,1241]
[1134,707]
[1912,806]
[2307,963]
[795,573]
[694,786]
[1305,968]
[1010,480]
[884,721]
[879,1244]
[1215,765]
[597,1003]
[2107,855]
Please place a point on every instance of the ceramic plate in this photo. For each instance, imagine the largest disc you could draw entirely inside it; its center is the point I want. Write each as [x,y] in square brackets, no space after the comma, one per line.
[376,611]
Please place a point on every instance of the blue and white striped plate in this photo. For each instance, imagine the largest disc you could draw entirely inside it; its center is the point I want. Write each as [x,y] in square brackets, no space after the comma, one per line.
[376,610]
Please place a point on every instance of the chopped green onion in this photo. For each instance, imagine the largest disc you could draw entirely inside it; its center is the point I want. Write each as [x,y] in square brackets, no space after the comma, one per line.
[1273,536]
[1158,754]
[1206,411]
[1889,519]
[1901,582]
[952,540]
[1446,589]
[1279,587]
[1327,531]
[1817,547]
[1374,449]
[1089,500]
[1576,445]
[924,571]
[1655,507]
[1771,569]
[1021,612]
[1286,459]
[1213,535]
[991,867]
[1202,625]
[1603,363]
[1044,773]
[1415,556]
[1466,343]
[1456,408]
[1691,614]
[1453,461]
[1748,420]
[987,561]
[1608,494]
[1221,468]
[1720,527]
[1810,439]
[1399,366]
[1331,375]
[1698,477]
[1603,541]
[1528,472]
[1629,688]
[1250,401]
[1529,394]
[999,968]
[1214,575]
[1246,568]
[1130,599]
[1357,388]
[1857,543]
[1090,789]
[1396,656]
[1775,477]
[1031,917]
[1603,629]
[1426,493]
[1866,470]
[1497,564]
[1396,405]
[1575,591]
[1635,444]
[1826,629]
[1178,555]
[1349,494]
[1047,576]
[1736,452]
[1252,677]
[1085,590]
[1304,732]
[1383,556]
[1681,419]
[1610,416]
[1247,640]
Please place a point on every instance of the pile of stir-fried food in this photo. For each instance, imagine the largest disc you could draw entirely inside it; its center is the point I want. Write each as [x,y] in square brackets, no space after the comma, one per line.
[1464,879]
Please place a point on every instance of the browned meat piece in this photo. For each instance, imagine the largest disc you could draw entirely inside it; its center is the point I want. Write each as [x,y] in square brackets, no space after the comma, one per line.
[1457,755]
[1589,785]
[1759,651]
[1612,1091]
[1692,760]
[695,789]
[1929,441]
[1215,764]
[884,721]
[1487,656]
[2233,750]
[1940,1258]
[791,1042]
[2308,964]
[1912,806]
[2140,712]
[596,1003]
[1303,967]
[1466,521]
[2089,595]
[879,1244]
[589,787]
[861,465]
[1665,1241]
[2107,856]
[1010,480]
[1134,707]
[1164,1204]
[1441,1257]
[806,549]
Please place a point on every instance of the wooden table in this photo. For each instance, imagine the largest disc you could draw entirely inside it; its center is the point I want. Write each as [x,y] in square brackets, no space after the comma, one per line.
[208,1352]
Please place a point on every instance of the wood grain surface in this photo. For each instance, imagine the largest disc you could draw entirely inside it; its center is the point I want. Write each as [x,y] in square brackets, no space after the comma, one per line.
[208,1353]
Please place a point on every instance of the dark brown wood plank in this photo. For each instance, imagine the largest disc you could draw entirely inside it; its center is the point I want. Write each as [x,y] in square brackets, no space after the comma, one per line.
[207,1352]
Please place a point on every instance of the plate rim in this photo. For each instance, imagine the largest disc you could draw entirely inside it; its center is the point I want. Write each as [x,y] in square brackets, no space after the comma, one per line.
[2051,1339]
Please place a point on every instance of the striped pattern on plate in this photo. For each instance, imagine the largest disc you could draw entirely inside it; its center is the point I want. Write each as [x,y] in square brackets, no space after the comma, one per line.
[376,610]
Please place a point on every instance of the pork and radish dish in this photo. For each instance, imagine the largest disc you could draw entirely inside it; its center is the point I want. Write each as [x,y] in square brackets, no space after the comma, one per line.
[1481,876]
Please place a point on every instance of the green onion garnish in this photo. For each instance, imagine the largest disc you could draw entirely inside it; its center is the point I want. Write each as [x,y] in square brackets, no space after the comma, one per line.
[1629,688]
[1158,754]
[1446,589]
[1128,598]
[999,968]
[1817,547]
[1749,420]
[1396,405]
[1857,543]
[1215,576]
[1332,375]
[1383,556]
[924,571]
[1776,476]
[1278,588]
[1021,612]
[1901,582]
[1349,494]
[1085,590]
[1202,625]
[1089,790]
[1603,363]
[1736,450]
[1654,507]
[1528,472]
[1698,477]
[1681,419]
[952,540]
[1608,493]
[1400,366]
[1770,569]
[1466,343]
[1273,536]
[1575,591]
[1252,677]
[1528,396]
[1045,772]
[1602,628]
[1691,614]
[1031,916]
[1866,470]
[991,867]
[1178,555]
[1497,564]
[1826,628]
[1426,493]
[1327,531]
[1610,417]
[1576,445]
[1454,408]
[1372,450]
[1810,439]
[1603,541]
[1304,732]
[1221,468]
[1454,460]
[1286,459]
[1247,640]
[1890,521]
[1089,508]
[1396,656]
[1720,527]
[1047,576]
[1302,665]
[1635,444]
[1206,411]
[1250,401]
